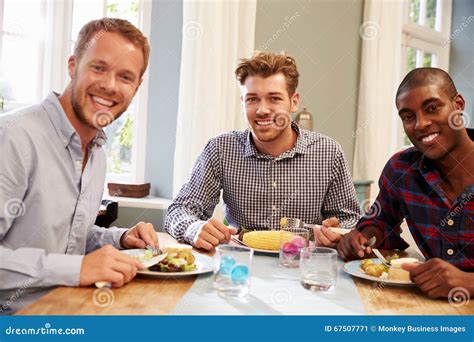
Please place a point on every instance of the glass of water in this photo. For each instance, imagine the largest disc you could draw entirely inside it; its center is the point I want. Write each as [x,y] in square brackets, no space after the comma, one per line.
[232,270]
[318,267]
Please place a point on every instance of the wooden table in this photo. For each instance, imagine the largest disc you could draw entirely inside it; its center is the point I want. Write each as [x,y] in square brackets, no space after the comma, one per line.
[146,296]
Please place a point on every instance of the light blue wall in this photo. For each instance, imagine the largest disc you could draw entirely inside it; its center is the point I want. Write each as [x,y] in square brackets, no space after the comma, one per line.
[165,63]
[462,53]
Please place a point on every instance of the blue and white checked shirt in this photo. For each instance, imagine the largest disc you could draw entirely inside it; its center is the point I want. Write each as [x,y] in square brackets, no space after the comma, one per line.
[311,182]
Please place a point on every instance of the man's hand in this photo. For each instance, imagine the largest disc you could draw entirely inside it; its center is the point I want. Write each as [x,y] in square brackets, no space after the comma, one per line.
[352,246]
[325,237]
[212,233]
[139,236]
[108,264]
[437,277]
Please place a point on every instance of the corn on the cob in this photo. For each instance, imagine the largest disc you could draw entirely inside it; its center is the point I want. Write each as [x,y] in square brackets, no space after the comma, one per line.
[266,239]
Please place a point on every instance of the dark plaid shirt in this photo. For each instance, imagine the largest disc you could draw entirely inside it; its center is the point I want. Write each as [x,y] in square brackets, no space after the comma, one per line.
[410,189]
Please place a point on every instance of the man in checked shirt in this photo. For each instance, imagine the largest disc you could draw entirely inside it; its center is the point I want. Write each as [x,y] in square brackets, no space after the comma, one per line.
[430,185]
[271,170]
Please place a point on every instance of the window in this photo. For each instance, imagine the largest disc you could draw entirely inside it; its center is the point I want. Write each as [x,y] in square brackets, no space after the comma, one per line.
[426,33]
[34,62]
[21,47]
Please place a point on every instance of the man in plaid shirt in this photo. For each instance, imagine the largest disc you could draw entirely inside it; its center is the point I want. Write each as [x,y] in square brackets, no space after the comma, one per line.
[431,185]
[273,169]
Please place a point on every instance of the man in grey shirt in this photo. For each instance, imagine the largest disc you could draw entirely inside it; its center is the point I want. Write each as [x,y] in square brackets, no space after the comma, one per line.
[52,172]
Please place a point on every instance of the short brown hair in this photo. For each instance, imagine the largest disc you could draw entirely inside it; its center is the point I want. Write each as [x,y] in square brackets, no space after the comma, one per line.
[266,64]
[92,31]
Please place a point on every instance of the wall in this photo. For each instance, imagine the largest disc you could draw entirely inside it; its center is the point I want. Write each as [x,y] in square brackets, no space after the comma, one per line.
[324,38]
[462,53]
[165,64]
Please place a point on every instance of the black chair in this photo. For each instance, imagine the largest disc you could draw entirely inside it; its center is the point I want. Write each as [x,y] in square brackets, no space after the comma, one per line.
[107,214]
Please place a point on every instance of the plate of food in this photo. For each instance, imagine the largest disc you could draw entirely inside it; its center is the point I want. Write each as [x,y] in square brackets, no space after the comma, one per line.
[261,241]
[180,261]
[373,269]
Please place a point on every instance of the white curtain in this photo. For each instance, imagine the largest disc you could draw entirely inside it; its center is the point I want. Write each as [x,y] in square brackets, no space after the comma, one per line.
[216,34]
[376,132]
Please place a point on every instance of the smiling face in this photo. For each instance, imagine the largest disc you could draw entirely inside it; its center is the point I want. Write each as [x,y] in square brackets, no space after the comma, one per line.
[428,114]
[105,79]
[268,107]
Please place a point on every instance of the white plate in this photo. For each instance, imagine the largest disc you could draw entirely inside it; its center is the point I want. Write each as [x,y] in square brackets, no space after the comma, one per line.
[353,268]
[204,263]
[257,250]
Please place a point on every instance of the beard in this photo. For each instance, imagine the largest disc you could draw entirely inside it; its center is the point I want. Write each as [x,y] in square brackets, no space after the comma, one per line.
[78,108]
[100,119]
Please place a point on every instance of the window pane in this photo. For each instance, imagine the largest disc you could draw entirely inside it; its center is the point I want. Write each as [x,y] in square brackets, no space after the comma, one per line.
[411,59]
[424,13]
[427,59]
[124,9]
[431,13]
[415,11]
[84,11]
[20,65]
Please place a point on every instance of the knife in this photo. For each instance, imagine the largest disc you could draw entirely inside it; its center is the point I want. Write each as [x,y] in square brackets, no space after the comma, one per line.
[147,263]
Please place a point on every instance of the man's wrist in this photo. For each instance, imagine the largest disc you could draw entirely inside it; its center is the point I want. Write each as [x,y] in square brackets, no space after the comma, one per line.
[122,238]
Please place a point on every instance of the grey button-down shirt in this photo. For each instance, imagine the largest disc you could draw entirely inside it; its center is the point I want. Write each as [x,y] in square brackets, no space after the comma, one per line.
[48,204]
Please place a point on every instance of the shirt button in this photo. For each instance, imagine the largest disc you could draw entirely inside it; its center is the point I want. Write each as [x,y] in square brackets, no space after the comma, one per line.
[450,222]
[450,251]
[274,184]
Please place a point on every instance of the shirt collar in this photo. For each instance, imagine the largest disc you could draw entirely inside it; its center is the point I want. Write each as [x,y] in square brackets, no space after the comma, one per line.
[61,123]
[299,148]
